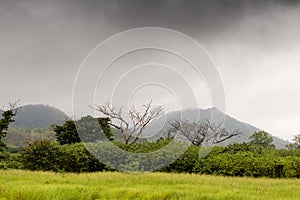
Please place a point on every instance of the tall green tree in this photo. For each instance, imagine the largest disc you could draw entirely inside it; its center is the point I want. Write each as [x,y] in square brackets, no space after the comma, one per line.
[66,133]
[263,139]
[104,124]
[295,144]
[90,130]
[7,118]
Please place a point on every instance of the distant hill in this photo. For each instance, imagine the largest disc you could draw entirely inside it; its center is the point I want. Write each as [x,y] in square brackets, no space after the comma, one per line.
[163,124]
[38,116]
[35,117]
[19,137]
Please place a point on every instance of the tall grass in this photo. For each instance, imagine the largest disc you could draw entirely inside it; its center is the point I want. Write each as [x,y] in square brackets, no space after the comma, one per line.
[17,184]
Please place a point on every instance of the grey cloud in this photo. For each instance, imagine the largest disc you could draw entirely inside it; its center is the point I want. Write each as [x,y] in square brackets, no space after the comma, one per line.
[43,42]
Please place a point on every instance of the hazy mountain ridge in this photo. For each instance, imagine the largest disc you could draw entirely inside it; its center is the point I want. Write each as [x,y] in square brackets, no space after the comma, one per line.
[42,116]
[38,116]
[163,124]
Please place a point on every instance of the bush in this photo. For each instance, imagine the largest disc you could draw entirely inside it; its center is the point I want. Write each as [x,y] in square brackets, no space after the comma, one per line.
[292,167]
[47,156]
[186,162]
[233,160]
[76,158]
[228,164]
[135,157]
[9,160]
[41,155]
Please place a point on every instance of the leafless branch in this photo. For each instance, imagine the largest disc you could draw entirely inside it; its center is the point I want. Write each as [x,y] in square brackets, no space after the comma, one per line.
[199,133]
[133,127]
[13,106]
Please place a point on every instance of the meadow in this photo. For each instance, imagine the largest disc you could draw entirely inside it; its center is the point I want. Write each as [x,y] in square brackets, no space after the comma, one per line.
[20,184]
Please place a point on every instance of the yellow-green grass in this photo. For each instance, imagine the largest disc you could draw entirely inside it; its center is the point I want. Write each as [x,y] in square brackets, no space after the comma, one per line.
[18,184]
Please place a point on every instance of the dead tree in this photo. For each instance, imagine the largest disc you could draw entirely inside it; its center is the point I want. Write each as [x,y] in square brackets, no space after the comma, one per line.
[132,123]
[202,132]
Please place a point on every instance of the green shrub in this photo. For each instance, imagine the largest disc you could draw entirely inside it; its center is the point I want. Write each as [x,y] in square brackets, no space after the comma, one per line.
[186,162]
[9,161]
[47,156]
[41,155]
[76,158]
[233,160]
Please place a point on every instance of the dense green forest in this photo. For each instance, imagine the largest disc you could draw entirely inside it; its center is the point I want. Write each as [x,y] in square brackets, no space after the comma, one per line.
[234,160]
[66,151]
[17,138]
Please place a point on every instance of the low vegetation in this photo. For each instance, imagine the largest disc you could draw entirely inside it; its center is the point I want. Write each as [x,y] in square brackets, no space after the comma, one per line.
[256,158]
[191,176]
[23,185]
[233,160]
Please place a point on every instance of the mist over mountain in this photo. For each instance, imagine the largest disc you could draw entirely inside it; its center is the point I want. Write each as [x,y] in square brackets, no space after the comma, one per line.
[161,125]
[42,116]
[38,116]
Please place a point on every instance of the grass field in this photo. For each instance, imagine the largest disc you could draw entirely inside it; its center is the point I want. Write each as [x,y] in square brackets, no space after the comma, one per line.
[17,184]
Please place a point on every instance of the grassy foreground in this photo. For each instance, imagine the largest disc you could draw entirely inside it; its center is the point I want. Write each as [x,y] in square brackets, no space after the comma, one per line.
[17,184]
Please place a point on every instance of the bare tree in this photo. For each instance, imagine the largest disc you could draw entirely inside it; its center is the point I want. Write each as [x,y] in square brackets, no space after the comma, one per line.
[132,123]
[203,132]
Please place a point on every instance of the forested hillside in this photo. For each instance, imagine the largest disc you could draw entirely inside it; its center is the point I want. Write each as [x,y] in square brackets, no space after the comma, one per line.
[38,116]
[216,116]
[33,122]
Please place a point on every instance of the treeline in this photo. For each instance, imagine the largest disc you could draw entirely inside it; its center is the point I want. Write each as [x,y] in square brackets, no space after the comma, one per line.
[236,159]
[74,152]
[16,138]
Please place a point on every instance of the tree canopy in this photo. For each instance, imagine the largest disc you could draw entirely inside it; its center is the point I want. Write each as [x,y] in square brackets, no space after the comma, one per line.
[7,118]
[262,138]
[87,129]
[295,144]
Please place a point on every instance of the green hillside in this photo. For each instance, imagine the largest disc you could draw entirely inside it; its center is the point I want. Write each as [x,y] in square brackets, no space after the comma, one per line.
[216,116]
[38,116]
[33,122]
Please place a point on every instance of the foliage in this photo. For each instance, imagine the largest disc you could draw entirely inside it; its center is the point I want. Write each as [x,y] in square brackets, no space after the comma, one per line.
[41,155]
[134,158]
[17,138]
[185,163]
[9,161]
[250,161]
[237,159]
[262,138]
[295,144]
[66,133]
[94,129]
[76,158]
[237,147]
[87,129]
[47,156]
[7,118]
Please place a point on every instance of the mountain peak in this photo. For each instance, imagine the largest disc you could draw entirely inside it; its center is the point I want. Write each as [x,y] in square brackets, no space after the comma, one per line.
[38,116]
[215,116]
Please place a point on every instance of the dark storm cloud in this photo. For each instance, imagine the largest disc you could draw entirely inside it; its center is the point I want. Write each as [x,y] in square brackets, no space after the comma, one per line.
[43,42]
[207,17]
[43,22]
[204,16]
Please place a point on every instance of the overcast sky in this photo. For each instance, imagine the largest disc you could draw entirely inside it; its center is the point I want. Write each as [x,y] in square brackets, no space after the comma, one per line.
[255,46]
